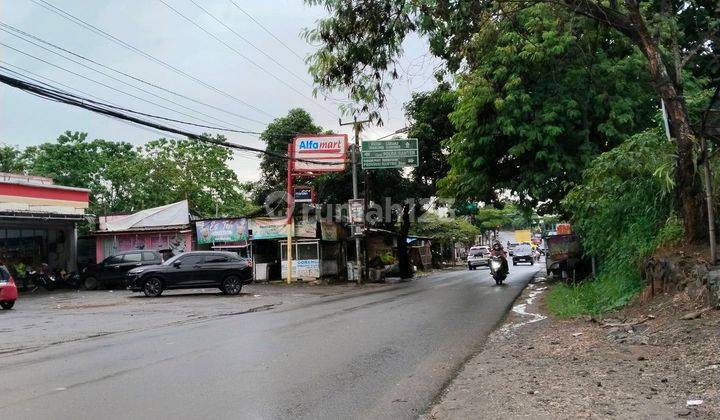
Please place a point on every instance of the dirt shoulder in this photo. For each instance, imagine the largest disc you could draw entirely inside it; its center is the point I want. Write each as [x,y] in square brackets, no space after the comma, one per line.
[645,362]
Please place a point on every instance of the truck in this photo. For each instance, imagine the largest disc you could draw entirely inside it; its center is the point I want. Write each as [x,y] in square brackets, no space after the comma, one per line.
[563,256]
[523,236]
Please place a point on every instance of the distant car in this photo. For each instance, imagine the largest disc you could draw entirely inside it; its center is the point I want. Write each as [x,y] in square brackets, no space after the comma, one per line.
[523,253]
[8,290]
[477,256]
[192,270]
[112,270]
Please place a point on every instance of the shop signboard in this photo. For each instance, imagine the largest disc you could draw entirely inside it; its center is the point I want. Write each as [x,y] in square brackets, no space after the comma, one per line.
[221,230]
[307,269]
[276,228]
[303,194]
[319,153]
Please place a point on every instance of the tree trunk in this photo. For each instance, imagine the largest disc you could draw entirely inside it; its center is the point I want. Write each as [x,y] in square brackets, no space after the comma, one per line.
[403,257]
[688,188]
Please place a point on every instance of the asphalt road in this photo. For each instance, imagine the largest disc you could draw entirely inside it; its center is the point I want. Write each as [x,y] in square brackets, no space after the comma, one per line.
[381,354]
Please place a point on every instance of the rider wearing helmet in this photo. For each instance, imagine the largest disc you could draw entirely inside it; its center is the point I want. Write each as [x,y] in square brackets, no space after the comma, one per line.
[497,250]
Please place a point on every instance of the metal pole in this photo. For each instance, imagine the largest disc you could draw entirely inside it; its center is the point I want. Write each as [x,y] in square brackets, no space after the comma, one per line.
[289,222]
[366,200]
[355,196]
[357,126]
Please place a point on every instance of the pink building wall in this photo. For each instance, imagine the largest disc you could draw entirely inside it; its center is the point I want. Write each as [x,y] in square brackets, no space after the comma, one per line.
[106,245]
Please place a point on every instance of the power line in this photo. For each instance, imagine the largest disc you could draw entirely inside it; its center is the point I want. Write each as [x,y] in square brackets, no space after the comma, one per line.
[268,56]
[110,105]
[111,87]
[20,31]
[268,31]
[59,96]
[68,16]
[115,106]
[230,47]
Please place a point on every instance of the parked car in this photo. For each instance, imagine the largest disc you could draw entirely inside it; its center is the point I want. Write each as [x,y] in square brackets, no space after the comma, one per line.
[112,270]
[523,253]
[8,290]
[192,270]
[478,256]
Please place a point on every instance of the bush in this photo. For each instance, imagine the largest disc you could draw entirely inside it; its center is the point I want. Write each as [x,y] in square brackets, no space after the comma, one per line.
[623,211]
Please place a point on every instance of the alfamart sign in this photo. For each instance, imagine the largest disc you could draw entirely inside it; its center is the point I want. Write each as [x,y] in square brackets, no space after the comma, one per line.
[319,153]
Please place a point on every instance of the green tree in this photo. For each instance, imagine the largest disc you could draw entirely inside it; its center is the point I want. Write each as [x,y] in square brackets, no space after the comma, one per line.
[446,229]
[361,41]
[75,161]
[173,170]
[12,160]
[278,134]
[429,113]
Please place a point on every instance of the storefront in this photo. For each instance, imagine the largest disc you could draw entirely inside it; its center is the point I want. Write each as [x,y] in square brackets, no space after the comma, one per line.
[165,229]
[38,222]
[319,249]
[227,234]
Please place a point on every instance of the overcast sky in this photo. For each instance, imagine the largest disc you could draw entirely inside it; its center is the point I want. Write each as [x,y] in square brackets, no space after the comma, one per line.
[154,28]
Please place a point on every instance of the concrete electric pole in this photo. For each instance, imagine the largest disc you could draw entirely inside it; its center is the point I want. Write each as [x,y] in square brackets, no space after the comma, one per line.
[357,126]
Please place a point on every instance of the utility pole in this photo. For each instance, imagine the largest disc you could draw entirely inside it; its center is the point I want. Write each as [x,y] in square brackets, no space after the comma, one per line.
[357,126]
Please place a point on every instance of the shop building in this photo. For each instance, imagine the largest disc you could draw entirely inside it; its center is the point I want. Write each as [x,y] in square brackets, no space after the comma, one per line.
[165,229]
[38,221]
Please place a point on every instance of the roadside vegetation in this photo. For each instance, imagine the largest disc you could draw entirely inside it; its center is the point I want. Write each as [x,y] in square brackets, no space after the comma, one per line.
[623,211]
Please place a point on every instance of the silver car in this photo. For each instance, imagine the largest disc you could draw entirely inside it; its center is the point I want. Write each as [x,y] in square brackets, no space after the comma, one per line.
[478,256]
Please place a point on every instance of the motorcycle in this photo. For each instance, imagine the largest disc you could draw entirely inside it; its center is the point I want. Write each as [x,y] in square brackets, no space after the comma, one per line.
[497,269]
[68,280]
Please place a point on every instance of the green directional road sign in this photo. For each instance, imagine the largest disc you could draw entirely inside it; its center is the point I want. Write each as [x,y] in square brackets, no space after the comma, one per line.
[393,153]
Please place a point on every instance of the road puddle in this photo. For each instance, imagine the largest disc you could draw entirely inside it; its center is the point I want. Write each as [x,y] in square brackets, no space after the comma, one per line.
[521,310]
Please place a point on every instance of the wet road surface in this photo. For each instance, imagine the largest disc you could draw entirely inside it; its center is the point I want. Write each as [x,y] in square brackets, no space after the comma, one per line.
[381,354]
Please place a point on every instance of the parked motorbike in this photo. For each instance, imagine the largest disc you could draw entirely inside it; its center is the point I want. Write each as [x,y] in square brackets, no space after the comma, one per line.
[67,280]
[497,269]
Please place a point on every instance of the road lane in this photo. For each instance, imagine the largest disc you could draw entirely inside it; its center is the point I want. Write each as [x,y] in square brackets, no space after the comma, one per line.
[382,354]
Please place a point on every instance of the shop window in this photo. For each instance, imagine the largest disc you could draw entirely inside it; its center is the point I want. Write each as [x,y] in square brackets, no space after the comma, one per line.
[307,251]
[283,251]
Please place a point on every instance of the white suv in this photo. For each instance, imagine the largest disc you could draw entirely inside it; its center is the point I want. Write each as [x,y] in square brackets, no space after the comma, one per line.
[477,256]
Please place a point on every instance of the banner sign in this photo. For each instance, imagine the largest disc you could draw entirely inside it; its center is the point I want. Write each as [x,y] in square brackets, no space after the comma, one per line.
[356,210]
[328,230]
[319,153]
[303,194]
[222,230]
[386,154]
[304,269]
[276,228]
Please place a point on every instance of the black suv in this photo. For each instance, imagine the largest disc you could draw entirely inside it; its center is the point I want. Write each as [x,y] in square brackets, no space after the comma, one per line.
[112,270]
[191,270]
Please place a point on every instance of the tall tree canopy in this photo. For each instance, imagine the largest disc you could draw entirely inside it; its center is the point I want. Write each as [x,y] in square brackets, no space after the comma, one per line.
[429,113]
[123,178]
[545,94]
[360,43]
[278,134]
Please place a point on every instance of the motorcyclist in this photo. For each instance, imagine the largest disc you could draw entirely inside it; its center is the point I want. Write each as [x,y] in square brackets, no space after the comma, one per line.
[497,250]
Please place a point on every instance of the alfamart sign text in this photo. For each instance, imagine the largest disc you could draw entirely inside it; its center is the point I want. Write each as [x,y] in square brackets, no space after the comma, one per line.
[319,153]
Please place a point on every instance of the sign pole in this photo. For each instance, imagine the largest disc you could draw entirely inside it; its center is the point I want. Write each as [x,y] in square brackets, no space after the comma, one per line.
[355,196]
[289,221]
[357,125]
